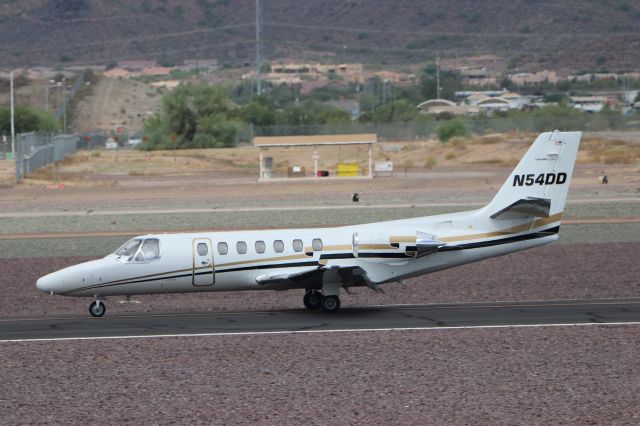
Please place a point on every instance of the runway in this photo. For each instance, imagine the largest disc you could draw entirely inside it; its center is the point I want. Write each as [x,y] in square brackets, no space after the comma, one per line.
[391,317]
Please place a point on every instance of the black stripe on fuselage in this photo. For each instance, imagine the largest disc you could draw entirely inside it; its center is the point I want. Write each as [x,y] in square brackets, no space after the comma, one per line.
[270,266]
[508,240]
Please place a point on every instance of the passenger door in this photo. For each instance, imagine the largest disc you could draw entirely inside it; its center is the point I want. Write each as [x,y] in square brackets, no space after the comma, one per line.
[203,273]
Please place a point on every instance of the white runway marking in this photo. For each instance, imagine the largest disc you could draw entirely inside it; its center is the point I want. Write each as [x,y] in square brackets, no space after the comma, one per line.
[293,332]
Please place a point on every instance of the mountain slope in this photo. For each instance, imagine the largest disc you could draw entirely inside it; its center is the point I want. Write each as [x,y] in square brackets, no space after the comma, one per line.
[564,34]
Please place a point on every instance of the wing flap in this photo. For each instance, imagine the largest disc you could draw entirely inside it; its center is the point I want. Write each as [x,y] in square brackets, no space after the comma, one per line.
[269,279]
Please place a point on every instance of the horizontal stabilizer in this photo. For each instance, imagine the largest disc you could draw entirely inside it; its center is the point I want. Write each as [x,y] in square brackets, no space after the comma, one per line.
[525,207]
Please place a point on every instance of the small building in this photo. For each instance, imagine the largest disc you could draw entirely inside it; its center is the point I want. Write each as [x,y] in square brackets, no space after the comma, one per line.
[445,106]
[494,104]
[314,142]
[528,79]
[588,103]
[477,77]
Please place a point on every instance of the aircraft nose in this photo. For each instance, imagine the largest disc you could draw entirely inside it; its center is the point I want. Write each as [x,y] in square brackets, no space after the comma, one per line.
[46,283]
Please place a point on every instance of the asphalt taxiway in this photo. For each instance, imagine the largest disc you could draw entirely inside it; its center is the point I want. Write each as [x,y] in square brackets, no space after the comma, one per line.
[391,317]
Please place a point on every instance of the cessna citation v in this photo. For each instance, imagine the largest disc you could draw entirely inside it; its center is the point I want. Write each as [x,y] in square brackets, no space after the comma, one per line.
[525,213]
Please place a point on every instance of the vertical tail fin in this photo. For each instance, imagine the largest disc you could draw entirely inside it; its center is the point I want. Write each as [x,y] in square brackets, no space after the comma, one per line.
[539,184]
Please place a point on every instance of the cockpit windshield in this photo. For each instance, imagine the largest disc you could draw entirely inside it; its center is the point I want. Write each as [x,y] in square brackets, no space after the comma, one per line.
[139,250]
[128,249]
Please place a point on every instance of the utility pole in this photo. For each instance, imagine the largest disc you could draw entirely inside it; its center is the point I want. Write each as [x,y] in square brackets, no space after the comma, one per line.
[64,104]
[258,48]
[437,76]
[13,120]
[384,91]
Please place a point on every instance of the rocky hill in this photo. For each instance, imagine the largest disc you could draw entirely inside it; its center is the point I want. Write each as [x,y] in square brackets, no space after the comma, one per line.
[568,35]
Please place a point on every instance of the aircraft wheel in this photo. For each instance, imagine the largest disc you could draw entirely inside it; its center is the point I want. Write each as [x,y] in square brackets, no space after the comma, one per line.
[330,304]
[312,300]
[97,309]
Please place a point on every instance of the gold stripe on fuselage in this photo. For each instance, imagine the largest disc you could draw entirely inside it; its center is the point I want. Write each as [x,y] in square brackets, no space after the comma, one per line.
[337,247]
[376,247]
[402,239]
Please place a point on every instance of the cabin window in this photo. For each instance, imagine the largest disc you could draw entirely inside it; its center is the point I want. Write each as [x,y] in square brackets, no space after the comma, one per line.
[241,247]
[203,249]
[223,248]
[278,246]
[151,249]
[316,244]
[297,245]
[260,247]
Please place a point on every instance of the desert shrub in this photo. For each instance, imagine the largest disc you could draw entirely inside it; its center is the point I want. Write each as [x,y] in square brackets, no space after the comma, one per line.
[431,161]
[450,129]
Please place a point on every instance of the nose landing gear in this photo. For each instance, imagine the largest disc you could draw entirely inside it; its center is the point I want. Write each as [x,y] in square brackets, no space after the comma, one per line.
[97,308]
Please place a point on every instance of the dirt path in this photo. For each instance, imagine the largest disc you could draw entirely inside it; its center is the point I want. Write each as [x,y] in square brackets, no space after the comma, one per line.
[114,103]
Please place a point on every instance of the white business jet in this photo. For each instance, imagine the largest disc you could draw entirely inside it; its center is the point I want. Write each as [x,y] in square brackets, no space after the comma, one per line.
[525,213]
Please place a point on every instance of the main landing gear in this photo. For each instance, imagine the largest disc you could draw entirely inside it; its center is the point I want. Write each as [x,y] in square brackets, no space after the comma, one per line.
[314,299]
[97,308]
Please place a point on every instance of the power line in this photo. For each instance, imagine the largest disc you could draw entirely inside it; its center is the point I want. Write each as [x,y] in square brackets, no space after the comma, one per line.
[445,33]
[40,20]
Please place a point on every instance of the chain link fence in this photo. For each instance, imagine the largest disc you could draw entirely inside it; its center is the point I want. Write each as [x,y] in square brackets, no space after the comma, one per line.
[34,151]
[418,130]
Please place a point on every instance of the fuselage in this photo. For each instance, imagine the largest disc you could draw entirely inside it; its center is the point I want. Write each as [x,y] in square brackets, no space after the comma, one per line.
[236,260]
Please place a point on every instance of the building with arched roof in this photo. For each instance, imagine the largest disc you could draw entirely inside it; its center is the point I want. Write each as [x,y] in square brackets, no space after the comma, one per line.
[441,106]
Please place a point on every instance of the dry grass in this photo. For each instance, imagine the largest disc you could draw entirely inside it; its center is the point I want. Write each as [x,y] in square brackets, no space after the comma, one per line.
[490,139]
[498,150]
[611,151]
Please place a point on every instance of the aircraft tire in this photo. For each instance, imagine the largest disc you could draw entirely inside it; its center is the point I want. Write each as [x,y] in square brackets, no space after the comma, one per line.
[97,310]
[312,300]
[330,304]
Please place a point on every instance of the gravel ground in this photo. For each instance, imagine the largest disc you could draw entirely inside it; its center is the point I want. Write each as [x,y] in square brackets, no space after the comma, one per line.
[570,271]
[539,376]
[453,184]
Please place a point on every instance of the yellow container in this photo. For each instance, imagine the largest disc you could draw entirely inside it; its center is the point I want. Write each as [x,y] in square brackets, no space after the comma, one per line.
[348,169]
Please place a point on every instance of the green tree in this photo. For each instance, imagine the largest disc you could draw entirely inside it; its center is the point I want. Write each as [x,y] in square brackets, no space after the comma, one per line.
[312,113]
[451,129]
[449,83]
[197,116]
[400,110]
[28,120]
[257,112]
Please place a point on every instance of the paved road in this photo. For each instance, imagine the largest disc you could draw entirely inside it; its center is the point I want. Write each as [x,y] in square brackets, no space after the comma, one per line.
[380,317]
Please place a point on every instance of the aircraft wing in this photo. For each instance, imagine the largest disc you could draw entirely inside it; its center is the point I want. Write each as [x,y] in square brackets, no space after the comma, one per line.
[310,277]
[276,278]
